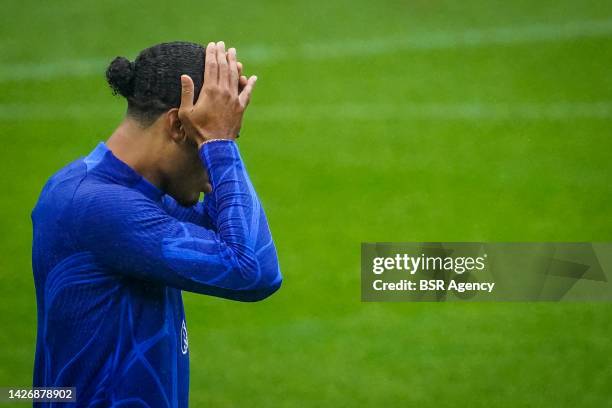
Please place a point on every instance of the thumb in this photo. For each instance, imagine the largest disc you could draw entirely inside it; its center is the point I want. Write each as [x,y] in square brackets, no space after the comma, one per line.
[186,92]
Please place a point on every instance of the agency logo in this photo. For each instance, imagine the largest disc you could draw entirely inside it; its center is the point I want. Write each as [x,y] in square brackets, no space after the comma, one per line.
[412,264]
[484,271]
[184,340]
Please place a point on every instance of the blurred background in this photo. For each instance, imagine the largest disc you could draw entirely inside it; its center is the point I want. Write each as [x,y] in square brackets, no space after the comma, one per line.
[371,121]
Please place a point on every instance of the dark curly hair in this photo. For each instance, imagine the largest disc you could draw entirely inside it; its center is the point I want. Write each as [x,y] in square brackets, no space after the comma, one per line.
[152,83]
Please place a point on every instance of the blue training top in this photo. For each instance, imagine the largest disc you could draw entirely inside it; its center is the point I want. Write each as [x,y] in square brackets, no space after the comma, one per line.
[111,254]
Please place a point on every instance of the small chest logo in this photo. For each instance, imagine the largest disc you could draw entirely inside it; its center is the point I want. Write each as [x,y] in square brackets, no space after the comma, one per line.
[184,340]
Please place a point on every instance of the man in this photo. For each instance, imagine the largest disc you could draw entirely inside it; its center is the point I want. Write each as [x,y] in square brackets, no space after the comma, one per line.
[119,234]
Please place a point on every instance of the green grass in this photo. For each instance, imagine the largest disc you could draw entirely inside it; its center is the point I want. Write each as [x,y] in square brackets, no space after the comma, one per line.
[498,141]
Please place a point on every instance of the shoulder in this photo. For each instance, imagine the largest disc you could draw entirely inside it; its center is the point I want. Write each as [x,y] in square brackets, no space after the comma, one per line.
[94,197]
[65,180]
[92,190]
[59,189]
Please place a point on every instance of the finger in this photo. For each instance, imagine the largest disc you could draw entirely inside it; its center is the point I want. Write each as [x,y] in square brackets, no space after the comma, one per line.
[222,63]
[186,92]
[239,64]
[233,70]
[210,65]
[242,82]
[245,95]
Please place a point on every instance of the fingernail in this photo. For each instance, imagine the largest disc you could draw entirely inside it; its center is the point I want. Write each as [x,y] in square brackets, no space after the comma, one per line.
[254,77]
[232,50]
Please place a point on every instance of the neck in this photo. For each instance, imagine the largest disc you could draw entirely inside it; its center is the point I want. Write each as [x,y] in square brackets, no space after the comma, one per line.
[138,148]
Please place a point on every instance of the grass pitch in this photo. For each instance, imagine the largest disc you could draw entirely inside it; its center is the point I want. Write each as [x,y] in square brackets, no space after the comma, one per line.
[371,121]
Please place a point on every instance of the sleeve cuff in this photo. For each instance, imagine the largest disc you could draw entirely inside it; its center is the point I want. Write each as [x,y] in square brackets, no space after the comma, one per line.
[217,155]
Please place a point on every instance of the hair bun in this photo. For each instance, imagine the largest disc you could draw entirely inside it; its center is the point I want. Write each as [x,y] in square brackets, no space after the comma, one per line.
[120,76]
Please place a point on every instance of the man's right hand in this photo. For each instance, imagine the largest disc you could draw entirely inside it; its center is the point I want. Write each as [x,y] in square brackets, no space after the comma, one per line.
[222,101]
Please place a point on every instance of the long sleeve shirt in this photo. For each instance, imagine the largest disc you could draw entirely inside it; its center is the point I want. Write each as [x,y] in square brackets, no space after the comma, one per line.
[111,255]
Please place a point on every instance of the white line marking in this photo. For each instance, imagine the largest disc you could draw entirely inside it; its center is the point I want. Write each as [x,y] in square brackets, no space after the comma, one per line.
[441,111]
[51,70]
[344,111]
[462,39]
[434,40]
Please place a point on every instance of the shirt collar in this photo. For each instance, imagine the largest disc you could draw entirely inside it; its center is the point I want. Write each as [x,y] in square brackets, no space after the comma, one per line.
[103,162]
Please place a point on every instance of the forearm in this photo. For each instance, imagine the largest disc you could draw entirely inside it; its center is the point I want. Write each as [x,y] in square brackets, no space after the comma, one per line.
[238,216]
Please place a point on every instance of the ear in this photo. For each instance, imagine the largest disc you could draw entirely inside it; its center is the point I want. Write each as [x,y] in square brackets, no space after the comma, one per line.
[174,127]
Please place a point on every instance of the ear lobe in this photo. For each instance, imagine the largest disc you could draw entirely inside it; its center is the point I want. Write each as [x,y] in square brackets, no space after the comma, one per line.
[175,128]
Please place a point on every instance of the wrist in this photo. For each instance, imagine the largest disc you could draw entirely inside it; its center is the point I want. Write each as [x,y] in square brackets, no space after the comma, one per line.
[205,137]
[212,140]
[205,133]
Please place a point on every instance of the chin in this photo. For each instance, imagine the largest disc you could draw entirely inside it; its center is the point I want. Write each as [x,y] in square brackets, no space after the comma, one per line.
[189,202]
